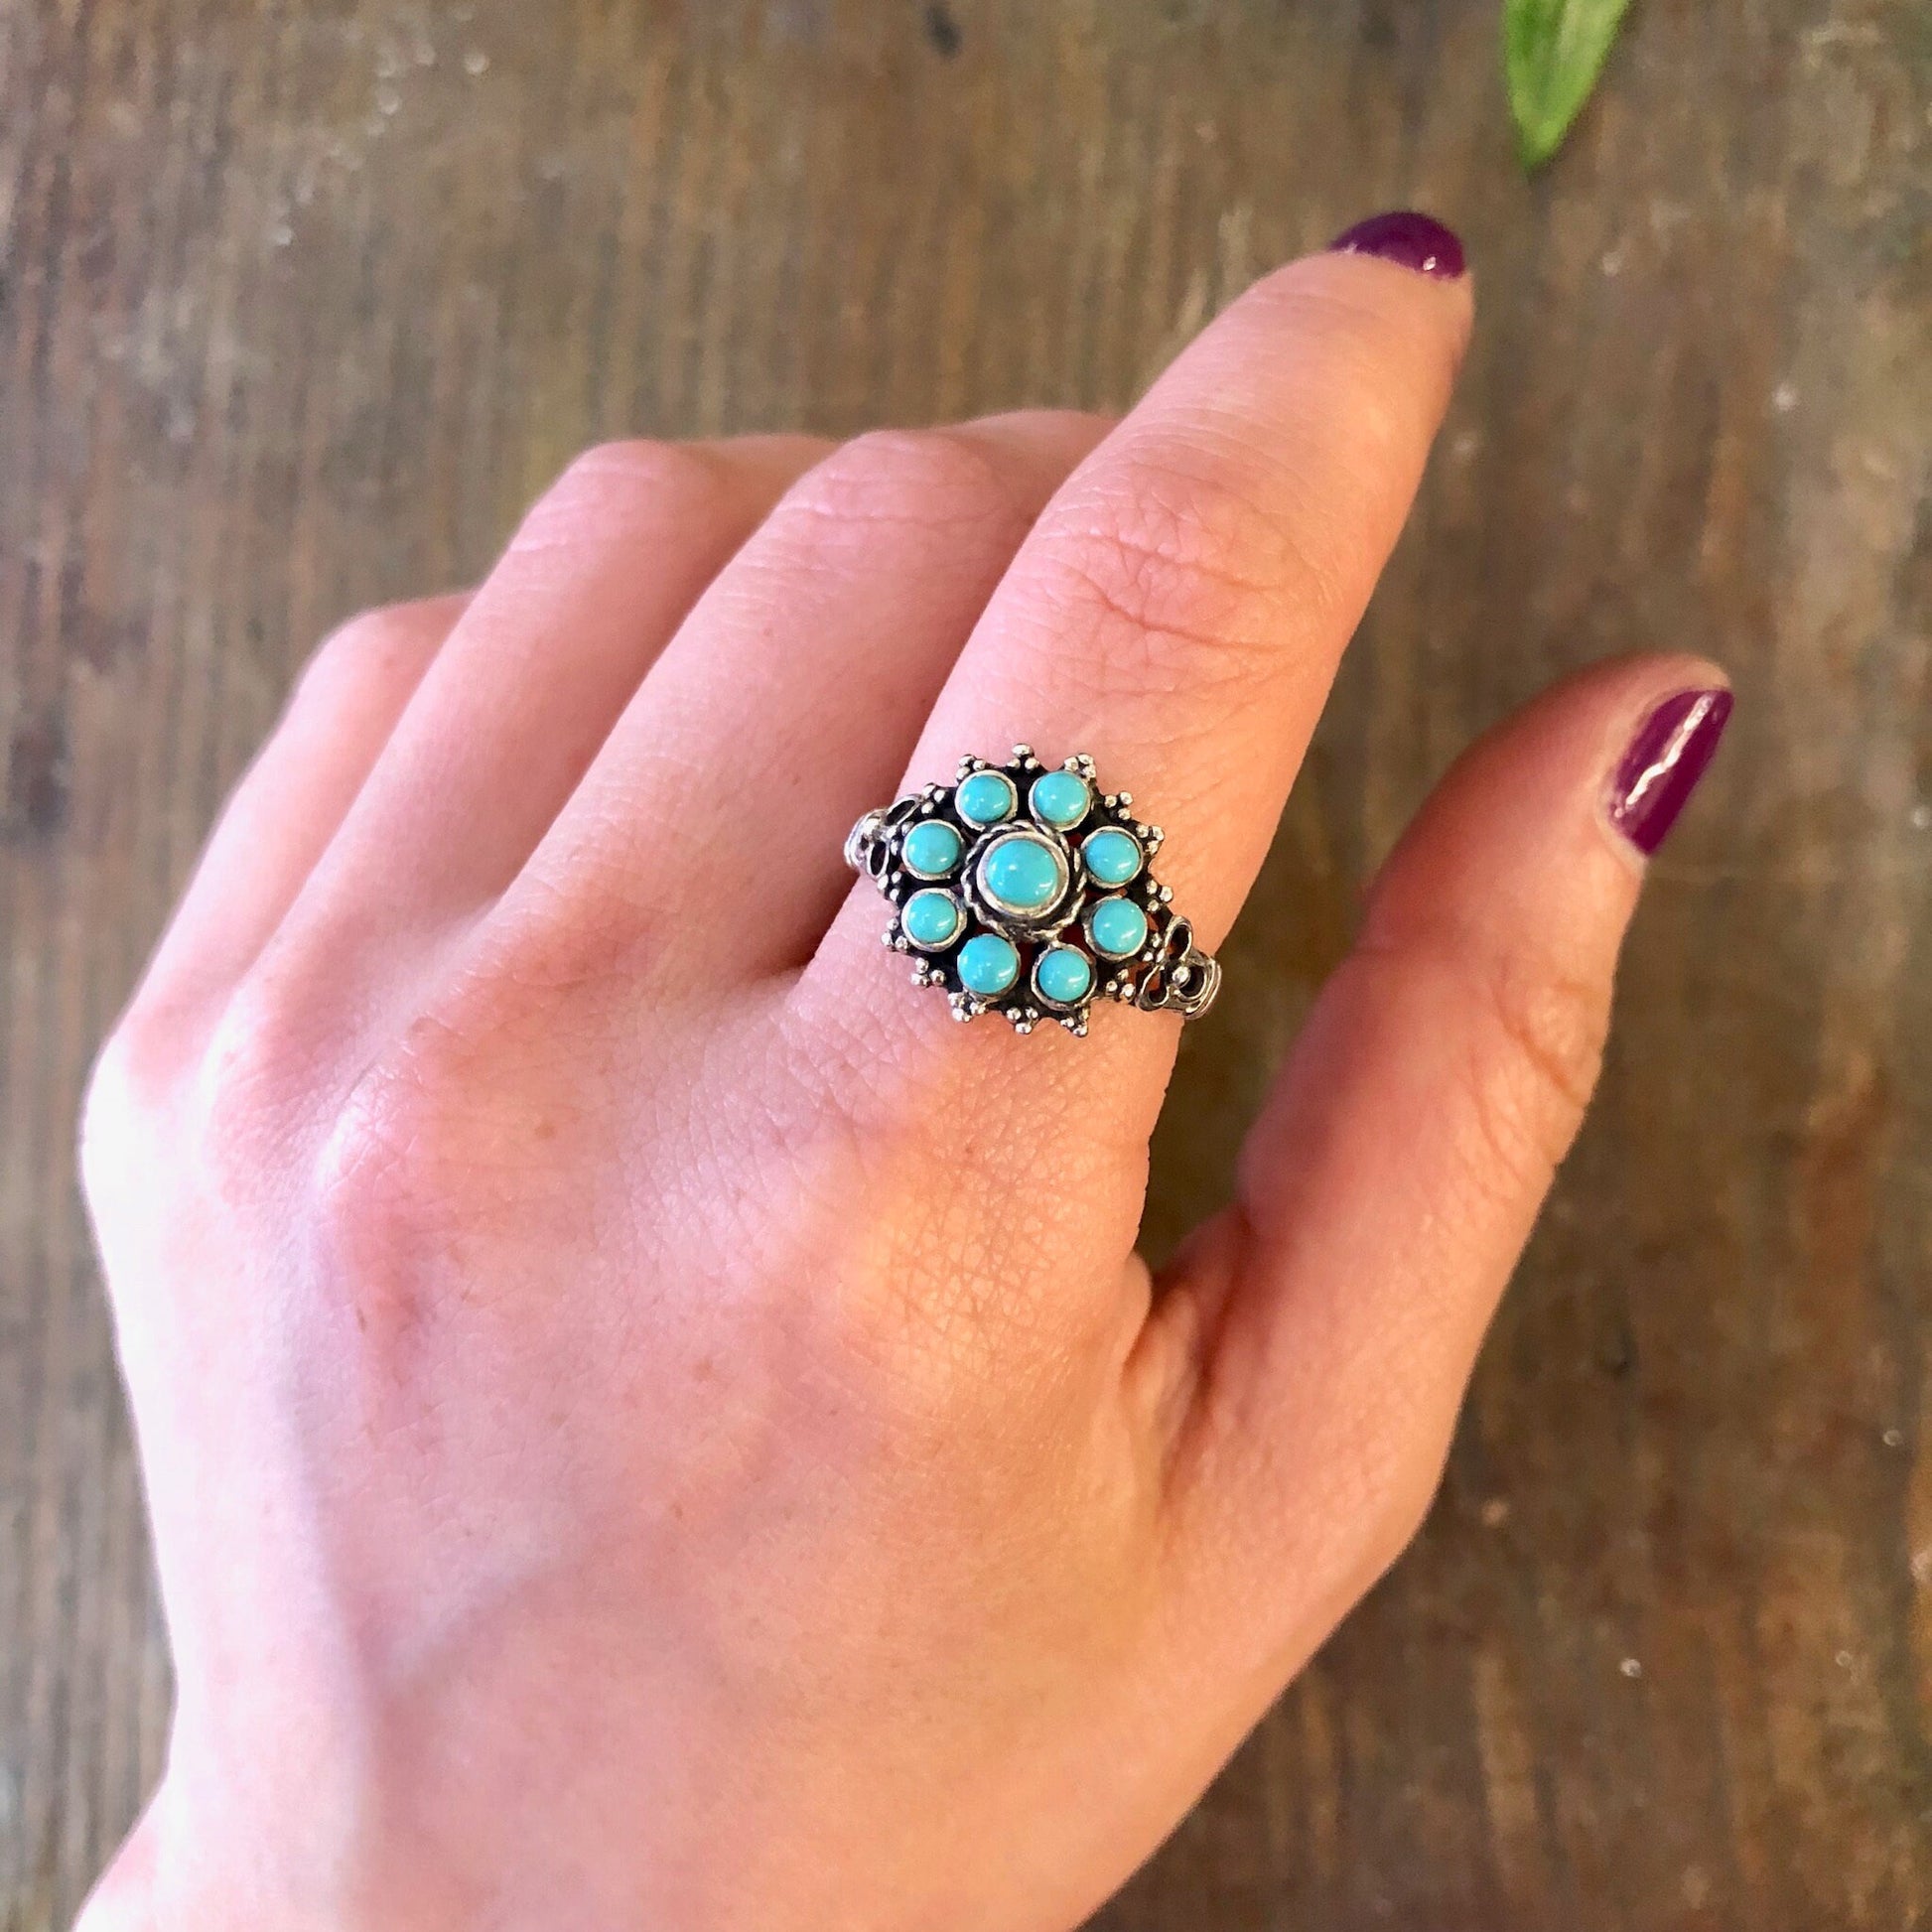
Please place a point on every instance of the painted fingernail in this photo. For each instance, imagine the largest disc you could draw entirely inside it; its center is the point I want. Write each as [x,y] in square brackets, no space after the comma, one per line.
[1665,759]
[1412,241]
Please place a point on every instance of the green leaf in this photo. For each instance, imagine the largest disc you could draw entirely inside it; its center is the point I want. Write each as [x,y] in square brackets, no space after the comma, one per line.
[1553,52]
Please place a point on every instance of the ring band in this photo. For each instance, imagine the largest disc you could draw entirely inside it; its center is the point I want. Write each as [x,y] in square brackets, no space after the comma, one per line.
[1025,890]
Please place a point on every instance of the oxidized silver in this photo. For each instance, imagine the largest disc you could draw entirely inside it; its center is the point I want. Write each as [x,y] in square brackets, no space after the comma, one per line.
[1164,973]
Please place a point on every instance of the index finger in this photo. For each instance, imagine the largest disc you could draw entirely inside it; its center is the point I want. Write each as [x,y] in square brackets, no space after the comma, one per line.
[1180,608]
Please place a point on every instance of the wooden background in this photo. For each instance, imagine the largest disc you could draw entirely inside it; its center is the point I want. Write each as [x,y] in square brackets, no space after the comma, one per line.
[300,303]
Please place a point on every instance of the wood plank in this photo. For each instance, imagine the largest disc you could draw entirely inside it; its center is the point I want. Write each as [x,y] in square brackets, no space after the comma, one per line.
[298,305]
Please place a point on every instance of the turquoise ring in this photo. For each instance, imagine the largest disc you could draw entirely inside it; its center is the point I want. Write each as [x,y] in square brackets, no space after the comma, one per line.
[1025,890]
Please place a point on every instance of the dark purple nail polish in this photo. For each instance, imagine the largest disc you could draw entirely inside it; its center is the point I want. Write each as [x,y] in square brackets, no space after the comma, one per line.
[1665,761]
[1412,240]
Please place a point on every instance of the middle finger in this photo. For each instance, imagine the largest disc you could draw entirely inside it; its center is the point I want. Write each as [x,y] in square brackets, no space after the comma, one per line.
[794,691]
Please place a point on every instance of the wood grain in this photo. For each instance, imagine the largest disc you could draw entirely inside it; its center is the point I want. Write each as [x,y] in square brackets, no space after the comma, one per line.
[300,303]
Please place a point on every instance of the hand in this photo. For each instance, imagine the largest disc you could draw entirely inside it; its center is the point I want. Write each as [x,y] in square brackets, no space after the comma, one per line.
[650,1423]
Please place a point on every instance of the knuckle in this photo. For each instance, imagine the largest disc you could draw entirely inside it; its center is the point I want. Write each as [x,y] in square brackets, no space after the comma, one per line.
[1184,574]
[431,1143]
[377,644]
[179,1081]
[1400,1483]
[126,1090]
[638,466]
[389,1216]
[416,1172]
[612,487]
[923,480]
[1539,1052]
[255,1071]
[386,1167]
[1379,1454]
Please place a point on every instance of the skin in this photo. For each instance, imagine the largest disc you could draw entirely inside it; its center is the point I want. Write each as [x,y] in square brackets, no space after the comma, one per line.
[636,1432]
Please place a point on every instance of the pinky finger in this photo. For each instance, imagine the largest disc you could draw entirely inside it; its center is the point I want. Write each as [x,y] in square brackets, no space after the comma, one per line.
[280,818]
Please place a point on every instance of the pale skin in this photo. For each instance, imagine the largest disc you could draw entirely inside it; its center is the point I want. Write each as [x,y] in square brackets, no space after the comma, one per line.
[648,1422]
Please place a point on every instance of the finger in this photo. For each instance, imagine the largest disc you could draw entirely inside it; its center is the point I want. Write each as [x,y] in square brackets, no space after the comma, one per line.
[1180,608]
[1393,1179]
[550,650]
[289,804]
[822,643]
[123,1896]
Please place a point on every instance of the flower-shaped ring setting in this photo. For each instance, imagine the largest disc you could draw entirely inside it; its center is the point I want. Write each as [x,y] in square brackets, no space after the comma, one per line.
[1025,890]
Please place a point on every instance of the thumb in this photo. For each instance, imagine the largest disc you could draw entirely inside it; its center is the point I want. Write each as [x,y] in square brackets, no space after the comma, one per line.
[1398,1167]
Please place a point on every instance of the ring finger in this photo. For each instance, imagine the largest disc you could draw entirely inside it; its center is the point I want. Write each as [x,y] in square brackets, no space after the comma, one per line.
[528,684]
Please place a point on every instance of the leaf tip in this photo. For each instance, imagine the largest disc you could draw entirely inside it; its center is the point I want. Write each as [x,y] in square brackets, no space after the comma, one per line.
[1554,52]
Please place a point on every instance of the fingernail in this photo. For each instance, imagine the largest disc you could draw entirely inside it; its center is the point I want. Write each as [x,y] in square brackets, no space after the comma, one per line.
[1665,759]
[1412,241]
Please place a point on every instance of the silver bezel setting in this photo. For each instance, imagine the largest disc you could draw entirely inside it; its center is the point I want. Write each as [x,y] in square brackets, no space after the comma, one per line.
[1019,968]
[1047,999]
[1112,886]
[958,934]
[1094,947]
[1013,795]
[1169,973]
[1030,834]
[1087,784]
[935,877]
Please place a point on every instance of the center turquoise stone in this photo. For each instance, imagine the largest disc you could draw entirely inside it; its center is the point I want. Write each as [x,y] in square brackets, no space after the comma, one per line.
[1023,874]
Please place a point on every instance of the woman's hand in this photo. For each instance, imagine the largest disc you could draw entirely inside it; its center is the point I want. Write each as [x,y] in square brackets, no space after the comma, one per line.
[649,1424]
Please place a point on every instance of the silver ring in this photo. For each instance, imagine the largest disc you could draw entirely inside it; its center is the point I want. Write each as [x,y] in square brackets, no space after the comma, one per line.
[1025,890]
